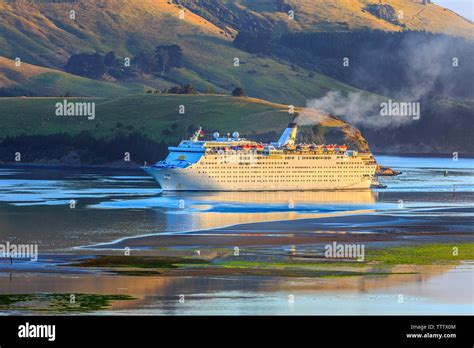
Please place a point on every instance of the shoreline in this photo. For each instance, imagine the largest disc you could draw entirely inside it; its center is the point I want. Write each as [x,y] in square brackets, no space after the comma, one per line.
[105,167]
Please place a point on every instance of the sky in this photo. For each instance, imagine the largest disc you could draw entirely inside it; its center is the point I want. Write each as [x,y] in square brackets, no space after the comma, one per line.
[463,7]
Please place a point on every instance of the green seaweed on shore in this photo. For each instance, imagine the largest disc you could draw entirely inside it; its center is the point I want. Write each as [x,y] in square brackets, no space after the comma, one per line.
[423,254]
[59,303]
[288,264]
[377,261]
[292,268]
[6,300]
[139,261]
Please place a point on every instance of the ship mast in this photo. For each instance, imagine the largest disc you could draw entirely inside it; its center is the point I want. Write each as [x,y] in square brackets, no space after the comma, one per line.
[197,134]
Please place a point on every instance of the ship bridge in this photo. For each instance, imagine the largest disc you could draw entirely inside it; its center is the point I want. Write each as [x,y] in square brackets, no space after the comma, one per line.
[183,155]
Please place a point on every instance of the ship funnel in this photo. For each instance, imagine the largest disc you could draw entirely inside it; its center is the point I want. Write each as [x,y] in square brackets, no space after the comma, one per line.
[289,135]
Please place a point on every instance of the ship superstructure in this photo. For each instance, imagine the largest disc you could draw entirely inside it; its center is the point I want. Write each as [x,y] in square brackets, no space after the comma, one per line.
[232,163]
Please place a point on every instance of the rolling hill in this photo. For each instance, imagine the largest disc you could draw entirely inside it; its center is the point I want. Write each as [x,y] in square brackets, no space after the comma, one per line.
[42,33]
[157,116]
[51,82]
[147,123]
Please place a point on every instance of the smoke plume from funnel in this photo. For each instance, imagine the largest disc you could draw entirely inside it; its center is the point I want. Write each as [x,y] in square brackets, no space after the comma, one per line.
[358,109]
[310,116]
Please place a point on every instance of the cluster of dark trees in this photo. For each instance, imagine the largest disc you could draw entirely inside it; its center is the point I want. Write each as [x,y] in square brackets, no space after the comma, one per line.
[95,65]
[89,149]
[383,11]
[164,58]
[16,92]
[238,92]
[186,89]
[88,65]
[263,42]
[191,89]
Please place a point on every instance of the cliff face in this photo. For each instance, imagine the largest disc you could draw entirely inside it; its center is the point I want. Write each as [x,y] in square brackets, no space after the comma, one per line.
[343,134]
[319,128]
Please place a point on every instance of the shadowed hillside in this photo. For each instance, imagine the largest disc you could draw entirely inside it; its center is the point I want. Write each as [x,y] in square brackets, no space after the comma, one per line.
[332,15]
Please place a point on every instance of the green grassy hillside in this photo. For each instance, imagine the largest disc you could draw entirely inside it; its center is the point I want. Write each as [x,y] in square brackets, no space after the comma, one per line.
[156,116]
[150,114]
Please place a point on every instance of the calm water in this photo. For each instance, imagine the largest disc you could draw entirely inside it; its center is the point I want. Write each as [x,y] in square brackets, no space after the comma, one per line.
[35,204]
[436,291]
[35,207]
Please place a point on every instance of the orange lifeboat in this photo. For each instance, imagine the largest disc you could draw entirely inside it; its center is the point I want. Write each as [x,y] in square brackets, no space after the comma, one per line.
[304,147]
[328,147]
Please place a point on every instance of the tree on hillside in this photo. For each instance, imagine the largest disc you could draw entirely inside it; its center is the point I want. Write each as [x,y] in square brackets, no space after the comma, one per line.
[168,57]
[186,89]
[254,42]
[238,92]
[144,61]
[110,59]
[85,64]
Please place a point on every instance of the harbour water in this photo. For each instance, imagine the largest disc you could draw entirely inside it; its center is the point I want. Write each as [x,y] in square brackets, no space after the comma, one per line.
[68,211]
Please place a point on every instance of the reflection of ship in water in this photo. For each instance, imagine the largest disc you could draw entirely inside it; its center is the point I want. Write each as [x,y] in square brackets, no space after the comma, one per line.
[286,197]
[216,209]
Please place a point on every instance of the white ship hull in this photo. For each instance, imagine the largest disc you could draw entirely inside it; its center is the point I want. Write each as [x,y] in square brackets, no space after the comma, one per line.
[278,173]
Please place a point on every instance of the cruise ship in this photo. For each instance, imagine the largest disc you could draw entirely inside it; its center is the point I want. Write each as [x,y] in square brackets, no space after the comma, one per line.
[232,163]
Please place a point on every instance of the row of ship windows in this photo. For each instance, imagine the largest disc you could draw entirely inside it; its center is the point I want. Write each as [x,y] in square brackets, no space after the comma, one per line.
[259,165]
[286,157]
[293,176]
[286,167]
[286,173]
[230,160]
[284,181]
